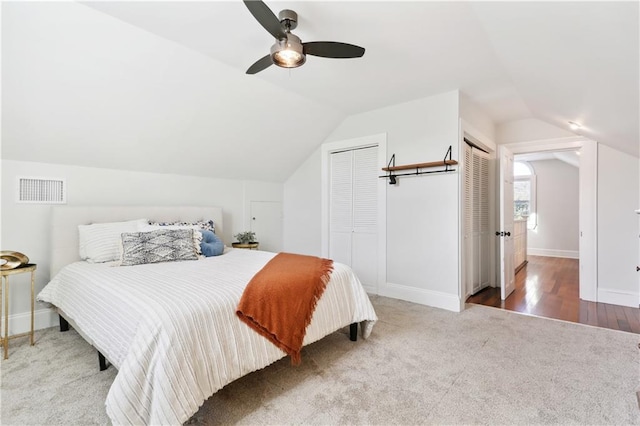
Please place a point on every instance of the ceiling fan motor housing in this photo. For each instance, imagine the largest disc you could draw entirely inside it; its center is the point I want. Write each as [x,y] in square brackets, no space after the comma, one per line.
[288,18]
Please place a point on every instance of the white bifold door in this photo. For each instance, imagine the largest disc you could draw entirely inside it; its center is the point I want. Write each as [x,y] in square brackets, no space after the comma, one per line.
[477,233]
[353,227]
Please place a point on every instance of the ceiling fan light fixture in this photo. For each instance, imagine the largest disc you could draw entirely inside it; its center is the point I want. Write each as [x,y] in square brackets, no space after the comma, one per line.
[288,53]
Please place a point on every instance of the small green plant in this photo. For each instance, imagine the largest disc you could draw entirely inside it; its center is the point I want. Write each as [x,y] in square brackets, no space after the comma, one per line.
[246,237]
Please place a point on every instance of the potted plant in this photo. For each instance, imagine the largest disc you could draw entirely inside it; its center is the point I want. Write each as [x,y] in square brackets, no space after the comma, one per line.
[246,237]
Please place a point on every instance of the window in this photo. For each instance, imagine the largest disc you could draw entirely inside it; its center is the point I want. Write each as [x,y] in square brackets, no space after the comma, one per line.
[524,193]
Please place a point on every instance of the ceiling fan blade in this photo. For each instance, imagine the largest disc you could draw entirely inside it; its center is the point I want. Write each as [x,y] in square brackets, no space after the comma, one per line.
[332,49]
[266,18]
[260,64]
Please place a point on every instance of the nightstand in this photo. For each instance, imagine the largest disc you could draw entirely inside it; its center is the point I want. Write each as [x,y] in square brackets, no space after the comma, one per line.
[4,290]
[247,246]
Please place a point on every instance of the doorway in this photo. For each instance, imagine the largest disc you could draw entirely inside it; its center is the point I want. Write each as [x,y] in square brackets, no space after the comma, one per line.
[587,245]
[545,212]
[587,204]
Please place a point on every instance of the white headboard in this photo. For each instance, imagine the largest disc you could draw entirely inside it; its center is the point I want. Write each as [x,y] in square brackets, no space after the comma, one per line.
[65,221]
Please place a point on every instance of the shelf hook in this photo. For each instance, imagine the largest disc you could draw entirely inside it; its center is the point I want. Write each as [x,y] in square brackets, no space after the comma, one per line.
[448,154]
[392,163]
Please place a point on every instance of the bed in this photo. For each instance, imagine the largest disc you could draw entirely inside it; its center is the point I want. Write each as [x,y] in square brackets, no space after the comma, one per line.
[171,328]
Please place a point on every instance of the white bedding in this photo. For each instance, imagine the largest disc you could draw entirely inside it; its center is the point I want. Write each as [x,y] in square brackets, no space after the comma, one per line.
[172,332]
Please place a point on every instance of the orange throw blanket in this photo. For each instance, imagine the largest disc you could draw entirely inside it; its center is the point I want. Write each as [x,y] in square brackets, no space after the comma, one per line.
[280,299]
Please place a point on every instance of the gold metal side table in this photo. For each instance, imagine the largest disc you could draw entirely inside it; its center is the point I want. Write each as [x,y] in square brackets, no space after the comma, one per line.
[4,290]
[246,246]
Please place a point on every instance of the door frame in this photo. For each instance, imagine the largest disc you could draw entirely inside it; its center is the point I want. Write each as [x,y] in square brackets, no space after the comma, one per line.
[326,149]
[477,137]
[588,202]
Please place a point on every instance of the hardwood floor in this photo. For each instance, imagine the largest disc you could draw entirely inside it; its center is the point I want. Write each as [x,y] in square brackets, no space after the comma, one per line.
[549,287]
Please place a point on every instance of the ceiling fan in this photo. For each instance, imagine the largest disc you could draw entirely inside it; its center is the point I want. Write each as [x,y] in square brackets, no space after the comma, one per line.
[288,51]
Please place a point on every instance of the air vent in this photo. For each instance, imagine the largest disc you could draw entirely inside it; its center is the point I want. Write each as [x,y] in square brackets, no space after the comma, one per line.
[41,190]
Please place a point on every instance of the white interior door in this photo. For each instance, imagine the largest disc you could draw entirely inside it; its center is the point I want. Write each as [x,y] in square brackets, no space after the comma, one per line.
[485,212]
[364,240]
[477,230]
[505,233]
[353,227]
[266,222]
[341,206]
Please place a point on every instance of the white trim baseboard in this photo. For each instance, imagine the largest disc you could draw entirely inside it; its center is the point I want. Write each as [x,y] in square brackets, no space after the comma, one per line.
[21,323]
[370,289]
[569,254]
[618,297]
[437,299]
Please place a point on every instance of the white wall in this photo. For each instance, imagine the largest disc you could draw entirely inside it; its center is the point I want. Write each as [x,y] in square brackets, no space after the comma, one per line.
[477,122]
[302,208]
[25,227]
[422,211]
[557,233]
[530,129]
[617,227]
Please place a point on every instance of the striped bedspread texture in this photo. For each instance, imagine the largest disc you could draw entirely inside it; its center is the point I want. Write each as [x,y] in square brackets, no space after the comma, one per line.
[171,329]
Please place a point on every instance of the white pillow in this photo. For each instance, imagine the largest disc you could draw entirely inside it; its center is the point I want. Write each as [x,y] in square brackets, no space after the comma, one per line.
[100,242]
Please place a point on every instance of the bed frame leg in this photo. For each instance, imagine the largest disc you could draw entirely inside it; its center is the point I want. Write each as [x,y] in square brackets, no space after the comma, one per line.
[102,361]
[353,332]
[64,324]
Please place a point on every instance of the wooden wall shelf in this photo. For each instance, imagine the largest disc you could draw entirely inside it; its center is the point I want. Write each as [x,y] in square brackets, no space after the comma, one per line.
[421,165]
[447,162]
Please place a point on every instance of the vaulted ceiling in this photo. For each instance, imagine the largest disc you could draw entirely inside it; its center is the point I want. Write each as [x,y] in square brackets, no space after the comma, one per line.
[160,86]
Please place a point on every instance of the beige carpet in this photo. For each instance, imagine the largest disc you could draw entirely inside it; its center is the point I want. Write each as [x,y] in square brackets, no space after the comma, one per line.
[420,366]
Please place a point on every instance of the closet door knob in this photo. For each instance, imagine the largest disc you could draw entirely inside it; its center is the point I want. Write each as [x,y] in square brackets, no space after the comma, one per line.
[508,234]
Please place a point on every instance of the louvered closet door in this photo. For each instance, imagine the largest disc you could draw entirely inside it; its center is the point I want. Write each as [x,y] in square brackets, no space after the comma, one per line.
[481,230]
[341,207]
[483,206]
[476,219]
[468,220]
[364,251]
[353,238]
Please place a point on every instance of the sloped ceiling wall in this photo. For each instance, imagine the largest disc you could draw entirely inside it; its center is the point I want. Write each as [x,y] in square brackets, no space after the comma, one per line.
[160,86]
[80,87]
[573,61]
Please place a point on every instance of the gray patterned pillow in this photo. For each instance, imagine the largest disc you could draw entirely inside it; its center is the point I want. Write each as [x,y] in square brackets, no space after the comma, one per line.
[162,245]
[201,224]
